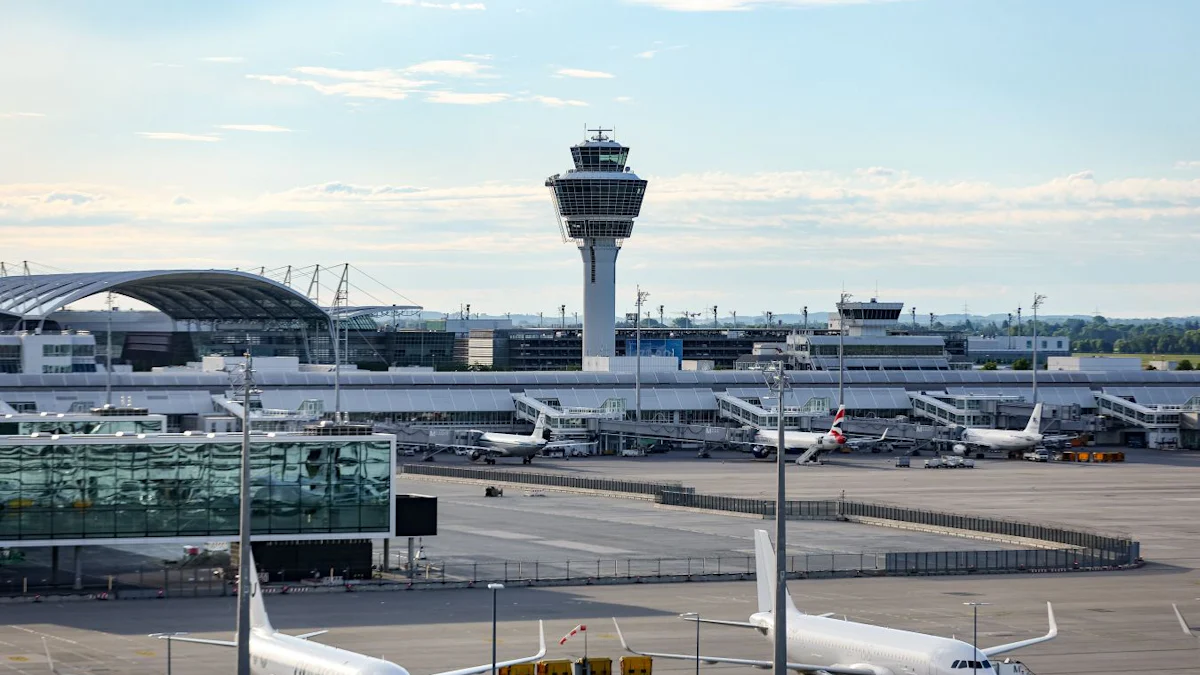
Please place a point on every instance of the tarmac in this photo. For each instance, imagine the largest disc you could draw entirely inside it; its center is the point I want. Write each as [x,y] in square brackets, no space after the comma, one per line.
[1108,622]
[1114,622]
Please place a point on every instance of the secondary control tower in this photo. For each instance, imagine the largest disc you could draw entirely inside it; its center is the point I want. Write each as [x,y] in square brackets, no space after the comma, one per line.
[596,203]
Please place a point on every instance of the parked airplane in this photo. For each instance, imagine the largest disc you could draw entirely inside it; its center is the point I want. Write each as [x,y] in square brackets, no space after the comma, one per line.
[821,644]
[813,444]
[490,445]
[1001,440]
[861,444]
[273,653]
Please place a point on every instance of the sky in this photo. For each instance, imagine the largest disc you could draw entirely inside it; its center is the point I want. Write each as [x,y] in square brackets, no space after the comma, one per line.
[944,153]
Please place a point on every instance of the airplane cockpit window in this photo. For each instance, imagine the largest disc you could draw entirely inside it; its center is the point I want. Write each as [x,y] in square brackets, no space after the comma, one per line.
[974,665]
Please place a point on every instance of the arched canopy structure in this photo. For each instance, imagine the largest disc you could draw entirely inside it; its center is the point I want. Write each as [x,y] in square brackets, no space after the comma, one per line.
[206,295]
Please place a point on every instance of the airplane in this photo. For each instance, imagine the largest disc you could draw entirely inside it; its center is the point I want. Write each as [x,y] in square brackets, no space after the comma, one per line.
[822,644]
[490,445]
[1002,440]
[813,444]
[861,444]
[274,653]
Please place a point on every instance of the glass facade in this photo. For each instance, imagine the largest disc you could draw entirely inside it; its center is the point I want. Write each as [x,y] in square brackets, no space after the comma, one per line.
[187,486]
[15,426]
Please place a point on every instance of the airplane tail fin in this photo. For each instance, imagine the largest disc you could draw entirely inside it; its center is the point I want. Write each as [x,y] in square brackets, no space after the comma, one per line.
[836,429]
[1035,421]
[539,428]
[884,436]
[258,609]
[764,559]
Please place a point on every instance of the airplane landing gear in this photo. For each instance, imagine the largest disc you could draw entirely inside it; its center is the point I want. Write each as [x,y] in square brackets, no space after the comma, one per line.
[527,460]
[489,460]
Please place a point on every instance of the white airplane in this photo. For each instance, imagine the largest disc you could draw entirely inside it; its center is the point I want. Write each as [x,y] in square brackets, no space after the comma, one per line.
[491,445]
[860,444]
[818,644]
[1001,440]
[813,444]
[273,653]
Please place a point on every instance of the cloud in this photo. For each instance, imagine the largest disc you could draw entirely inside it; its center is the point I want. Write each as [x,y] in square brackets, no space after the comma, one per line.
[223,59]
[555,102]
[160,64]
[651,53]
[456,6]
[175,136]
[180,200]
[381,83]
[73,198]
[743,5]
[478,57]
[1187,165]
[13,115]
[624,99]
[585,74]
[451,67]
[461,98]
[260,128]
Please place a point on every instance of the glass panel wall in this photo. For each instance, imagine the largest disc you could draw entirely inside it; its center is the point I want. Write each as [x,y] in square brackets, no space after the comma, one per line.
[170,489]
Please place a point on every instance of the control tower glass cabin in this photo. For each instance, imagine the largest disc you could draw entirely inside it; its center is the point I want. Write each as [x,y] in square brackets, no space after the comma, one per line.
[596,203]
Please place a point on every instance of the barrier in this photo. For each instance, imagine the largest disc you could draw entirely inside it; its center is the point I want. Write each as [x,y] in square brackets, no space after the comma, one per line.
[647,488]
[1096,550]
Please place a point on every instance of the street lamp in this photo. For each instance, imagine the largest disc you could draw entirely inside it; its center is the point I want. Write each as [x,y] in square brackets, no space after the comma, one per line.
[693,616]
[975,632]
[167,637]
[493,588]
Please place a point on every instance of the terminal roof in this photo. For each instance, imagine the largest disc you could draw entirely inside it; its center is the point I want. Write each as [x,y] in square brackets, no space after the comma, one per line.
[181,294]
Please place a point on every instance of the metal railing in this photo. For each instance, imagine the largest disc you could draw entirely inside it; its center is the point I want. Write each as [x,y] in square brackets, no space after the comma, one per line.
[1093,546]
[646,488]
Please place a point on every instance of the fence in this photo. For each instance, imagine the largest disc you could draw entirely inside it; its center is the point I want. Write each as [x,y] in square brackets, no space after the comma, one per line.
[647,488]
[1096,549]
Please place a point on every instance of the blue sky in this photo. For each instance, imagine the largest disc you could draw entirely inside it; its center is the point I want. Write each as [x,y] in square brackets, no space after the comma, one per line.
[949,152]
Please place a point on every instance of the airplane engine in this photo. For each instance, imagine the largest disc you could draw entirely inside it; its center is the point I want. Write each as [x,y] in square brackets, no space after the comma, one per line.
[959,449]
[475,456]
[760,451]
[878,670]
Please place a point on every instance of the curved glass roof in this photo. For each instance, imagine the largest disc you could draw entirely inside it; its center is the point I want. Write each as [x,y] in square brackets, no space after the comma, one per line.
[181,294]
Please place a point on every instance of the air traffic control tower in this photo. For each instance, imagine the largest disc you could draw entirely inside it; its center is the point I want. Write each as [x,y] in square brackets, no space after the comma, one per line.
[596,203]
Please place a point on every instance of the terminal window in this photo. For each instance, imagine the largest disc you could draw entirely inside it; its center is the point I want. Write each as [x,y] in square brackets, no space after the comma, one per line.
[164,489]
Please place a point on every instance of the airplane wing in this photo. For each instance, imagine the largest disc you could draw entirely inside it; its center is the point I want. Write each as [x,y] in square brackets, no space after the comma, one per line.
[487,667]
[199,641]
[719,622]
[315,633]
[1012,646]
[755,663]
[1183,622]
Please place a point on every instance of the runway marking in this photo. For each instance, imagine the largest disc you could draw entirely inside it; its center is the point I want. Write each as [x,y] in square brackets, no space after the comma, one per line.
[498,534]
[580,546]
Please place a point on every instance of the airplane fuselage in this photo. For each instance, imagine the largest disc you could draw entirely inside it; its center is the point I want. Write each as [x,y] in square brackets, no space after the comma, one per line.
[1000,440]
[795,440]
[278,654]
[511,445]
[887,651]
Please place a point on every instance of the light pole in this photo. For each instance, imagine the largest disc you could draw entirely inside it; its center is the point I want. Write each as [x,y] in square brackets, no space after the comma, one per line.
[167,637]
[245,569]
[841,347]
[695,617]
[780,535]
[975,632]
[493,588]
[1037,302]
[637,332]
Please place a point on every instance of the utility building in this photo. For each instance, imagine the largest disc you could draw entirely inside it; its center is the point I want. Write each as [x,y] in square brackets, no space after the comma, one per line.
[596,203]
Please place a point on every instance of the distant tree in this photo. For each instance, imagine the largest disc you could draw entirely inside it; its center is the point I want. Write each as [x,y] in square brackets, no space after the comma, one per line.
[1184,364]
[990,365]
[1022,364]
[1150,367]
